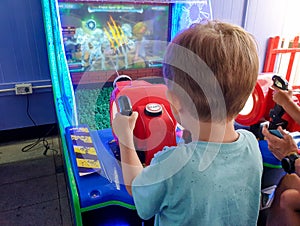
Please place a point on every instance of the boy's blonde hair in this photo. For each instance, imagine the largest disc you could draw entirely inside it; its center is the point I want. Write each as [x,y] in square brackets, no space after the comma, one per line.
[214,51]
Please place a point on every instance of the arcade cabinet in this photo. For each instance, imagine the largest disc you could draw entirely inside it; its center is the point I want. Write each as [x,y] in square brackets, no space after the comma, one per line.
[259,110]
[90,44]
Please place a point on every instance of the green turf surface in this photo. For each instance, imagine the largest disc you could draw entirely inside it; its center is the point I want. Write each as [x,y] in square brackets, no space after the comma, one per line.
[93,107]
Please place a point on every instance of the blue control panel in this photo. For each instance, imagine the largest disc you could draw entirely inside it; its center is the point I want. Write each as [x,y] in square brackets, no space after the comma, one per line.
[104,184]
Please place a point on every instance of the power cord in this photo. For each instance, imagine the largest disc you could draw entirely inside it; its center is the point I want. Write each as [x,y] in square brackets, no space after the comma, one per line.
[40,139]
[27,110]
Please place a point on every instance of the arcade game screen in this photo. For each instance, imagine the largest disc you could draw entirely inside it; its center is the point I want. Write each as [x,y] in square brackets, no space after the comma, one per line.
[102,36]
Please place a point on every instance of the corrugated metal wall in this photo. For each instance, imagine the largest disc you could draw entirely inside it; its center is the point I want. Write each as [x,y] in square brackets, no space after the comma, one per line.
[23,54]
[23,58]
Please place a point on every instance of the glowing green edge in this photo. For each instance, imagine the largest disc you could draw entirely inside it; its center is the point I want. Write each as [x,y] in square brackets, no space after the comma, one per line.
[272,166]
[109,203]
[62,118]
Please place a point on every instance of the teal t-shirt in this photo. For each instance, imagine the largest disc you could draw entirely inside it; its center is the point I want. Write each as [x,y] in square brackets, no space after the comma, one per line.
[202,183]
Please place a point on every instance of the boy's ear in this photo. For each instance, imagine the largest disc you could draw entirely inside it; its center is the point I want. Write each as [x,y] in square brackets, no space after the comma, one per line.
[174,101]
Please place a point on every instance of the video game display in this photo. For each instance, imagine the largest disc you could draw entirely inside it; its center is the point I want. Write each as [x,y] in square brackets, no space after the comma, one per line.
[100,36]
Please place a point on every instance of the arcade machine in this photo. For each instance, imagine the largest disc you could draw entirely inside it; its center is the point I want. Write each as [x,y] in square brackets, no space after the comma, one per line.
[259,110]
[99,51]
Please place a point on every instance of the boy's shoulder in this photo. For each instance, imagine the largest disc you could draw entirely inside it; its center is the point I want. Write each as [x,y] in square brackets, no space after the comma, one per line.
[247,134]
[167,151]
[244,131]
[164,153]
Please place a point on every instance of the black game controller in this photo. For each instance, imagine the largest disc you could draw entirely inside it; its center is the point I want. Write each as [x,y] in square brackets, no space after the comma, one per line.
[280,82]
[125,105]
[277,112]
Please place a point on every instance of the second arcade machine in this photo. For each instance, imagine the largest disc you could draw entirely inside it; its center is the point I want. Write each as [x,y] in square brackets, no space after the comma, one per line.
[258,111]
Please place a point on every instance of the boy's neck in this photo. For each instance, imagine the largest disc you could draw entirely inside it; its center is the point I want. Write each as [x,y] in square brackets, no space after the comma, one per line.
[222,132]
[217,132]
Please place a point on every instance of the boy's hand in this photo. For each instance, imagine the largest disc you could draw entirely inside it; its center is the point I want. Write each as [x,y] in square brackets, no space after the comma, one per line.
[123,127]
[280,147]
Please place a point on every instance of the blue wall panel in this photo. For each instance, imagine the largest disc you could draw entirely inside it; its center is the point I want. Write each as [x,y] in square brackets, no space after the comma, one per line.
[13,110]
[23,58]
[23,53]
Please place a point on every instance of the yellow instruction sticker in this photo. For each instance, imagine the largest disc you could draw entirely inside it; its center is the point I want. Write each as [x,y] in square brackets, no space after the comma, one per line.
[88,163]
[85,139]
[85,150]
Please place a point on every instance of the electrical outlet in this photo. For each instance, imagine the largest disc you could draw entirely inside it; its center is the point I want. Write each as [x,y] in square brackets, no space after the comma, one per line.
[23,89]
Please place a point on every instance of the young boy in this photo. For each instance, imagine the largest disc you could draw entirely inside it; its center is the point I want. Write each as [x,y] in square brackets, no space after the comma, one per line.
[210,70]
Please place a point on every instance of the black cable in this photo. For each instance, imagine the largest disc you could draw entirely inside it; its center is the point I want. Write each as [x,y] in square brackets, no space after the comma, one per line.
[40,139]
[44,142]
[27,110]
